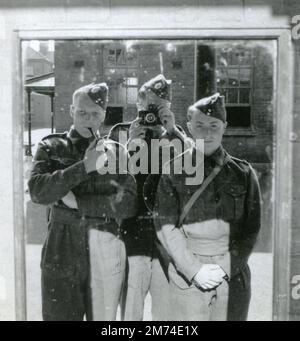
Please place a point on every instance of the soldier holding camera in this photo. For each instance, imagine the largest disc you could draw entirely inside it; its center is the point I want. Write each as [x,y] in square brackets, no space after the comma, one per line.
[145,266]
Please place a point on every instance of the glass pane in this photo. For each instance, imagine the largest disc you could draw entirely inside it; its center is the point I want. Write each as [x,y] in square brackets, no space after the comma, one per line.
[245,75]
[232,95]
[120,73]
[120,57]
[121,95]
[125,65]
[111,57]
[233,57]
[132,95]
[131,81]
[245,57]
[239,116]
[115,74]
[244,95]
[109,73]
[222,58]
[222,77]
[233,77]
[132,58]
[132,73]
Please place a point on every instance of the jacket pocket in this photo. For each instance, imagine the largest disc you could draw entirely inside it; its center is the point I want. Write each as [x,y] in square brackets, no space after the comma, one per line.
[233,201]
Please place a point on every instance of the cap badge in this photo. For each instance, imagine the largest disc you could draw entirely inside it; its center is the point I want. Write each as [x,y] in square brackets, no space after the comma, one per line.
[158,85]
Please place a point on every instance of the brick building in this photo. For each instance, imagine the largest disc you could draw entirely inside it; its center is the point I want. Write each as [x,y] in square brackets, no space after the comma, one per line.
[125,66]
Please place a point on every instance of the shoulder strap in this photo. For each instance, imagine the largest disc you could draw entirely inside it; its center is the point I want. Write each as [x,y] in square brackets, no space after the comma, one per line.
[200,190]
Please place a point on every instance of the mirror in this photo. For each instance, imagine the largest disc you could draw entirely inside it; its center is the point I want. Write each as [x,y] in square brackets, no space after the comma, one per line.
[243,71]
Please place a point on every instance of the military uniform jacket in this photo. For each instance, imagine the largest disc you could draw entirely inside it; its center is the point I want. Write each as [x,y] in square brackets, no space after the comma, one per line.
[139,231]
[58,168]
[143,210]
[232,197]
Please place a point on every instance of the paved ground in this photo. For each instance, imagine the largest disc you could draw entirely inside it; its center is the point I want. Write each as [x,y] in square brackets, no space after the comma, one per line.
[260,308]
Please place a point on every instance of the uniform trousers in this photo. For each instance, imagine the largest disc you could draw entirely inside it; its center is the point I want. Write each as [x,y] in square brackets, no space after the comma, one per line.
[83,267]
[145,273]
[190,303]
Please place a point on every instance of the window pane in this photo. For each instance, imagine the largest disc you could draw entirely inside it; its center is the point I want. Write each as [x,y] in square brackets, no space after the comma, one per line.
[245,77]
[111,57]
[120,73]
[120,57]
[239,56]
[232,95]
[245,57]
[233,77]
[114,115]
[244,95]
[233,57]
[222,59]
[109,73]
[132,95]
[222,77]
[132,73]
[131,81]
[132,58]
[116,74]
[121,95]
[238,116]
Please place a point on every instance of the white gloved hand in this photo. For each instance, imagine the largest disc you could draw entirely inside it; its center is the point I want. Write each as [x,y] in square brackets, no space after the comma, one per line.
[209,276]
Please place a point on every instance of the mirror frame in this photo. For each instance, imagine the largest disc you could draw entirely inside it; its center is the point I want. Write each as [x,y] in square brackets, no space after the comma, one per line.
[282,180]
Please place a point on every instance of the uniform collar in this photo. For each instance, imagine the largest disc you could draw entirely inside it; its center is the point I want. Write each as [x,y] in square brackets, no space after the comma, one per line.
[75,137]
[217,157]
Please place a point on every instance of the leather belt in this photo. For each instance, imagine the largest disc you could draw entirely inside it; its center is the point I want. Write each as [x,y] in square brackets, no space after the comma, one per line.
[68,215]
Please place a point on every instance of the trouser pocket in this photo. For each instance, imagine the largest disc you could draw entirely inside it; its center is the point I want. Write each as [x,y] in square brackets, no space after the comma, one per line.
[107,254]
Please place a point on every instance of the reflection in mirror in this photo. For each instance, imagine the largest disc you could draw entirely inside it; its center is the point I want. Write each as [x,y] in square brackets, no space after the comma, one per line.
[243,71]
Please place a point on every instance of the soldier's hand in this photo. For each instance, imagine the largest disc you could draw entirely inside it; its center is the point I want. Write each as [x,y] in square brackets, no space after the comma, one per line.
[167,118]
[70,200]
[209,276]
[136,131]
[94,157]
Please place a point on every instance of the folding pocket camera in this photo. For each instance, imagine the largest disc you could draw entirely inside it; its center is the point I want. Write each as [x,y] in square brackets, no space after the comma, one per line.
[150,117]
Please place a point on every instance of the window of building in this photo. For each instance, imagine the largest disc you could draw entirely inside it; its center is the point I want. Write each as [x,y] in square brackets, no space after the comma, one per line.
[121,74]
[113,115]
[234,81]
